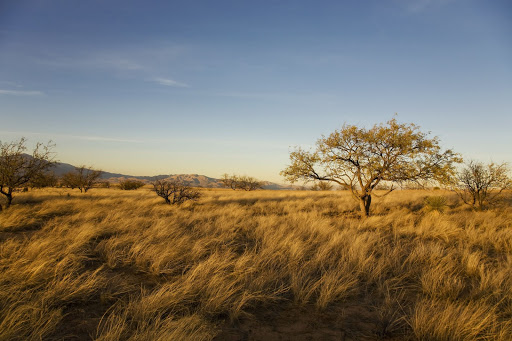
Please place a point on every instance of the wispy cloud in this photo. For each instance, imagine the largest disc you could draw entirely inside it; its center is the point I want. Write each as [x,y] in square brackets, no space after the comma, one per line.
[116,58]
[21,93]
[247,143]
[101,138]
[74,137]
[11,84]
[169,82]
[108,62]
[248,95]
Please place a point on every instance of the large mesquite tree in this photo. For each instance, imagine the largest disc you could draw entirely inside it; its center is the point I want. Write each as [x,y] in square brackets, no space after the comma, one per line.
[358,159]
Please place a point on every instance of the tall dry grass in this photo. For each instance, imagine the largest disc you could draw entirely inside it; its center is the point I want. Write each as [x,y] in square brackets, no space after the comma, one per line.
[117,265]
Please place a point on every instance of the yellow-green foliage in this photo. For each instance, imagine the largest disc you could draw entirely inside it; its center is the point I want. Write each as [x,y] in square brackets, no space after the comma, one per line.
[435,203]
[118,265]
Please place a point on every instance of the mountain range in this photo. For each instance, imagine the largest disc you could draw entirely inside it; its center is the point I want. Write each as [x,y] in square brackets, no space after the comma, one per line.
[195,180]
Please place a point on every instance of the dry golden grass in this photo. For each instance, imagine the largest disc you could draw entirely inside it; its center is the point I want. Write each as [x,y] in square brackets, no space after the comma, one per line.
[122,265]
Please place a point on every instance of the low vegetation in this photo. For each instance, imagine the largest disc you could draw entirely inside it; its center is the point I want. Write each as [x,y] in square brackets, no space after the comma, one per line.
[84,178]
[175,192]
[130,184]
[322,186]
[243,182]
[119,265]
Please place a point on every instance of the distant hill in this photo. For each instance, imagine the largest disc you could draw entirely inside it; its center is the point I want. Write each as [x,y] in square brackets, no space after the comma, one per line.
[195,180]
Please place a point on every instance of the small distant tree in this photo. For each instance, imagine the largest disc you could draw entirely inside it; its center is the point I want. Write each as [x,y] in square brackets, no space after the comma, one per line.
[103,184]
[249,183]
[44,179]
[480,185]
[83,178]
[229,181]
[322,186]
[246,183]
[129,184]
[358,159]
[17,168]
[68,180]
[174,192]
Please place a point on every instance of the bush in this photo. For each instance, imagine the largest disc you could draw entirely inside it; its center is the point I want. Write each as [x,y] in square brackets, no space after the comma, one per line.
[129,185]
[103,184]
[246,183]
[435,203]
[175,192]
[322,186]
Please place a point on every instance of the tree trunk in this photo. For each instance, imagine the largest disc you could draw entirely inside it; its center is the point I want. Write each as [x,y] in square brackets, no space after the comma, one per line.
[9,199]
[364,205]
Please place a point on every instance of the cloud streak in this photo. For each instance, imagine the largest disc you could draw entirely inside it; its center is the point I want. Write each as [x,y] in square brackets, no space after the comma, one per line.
[94,62]
[169,82]
[21,93]
[75,137]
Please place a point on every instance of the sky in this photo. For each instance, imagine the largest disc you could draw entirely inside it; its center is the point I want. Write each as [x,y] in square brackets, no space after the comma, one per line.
[213,87]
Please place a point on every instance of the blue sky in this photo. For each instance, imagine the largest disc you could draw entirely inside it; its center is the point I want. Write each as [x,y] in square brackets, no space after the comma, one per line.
[208,87]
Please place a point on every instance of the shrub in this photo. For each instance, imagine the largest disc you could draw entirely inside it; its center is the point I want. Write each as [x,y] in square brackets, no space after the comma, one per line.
[175,192]
[128,185]
[103,184]
[247,183]
[322,186]
[435,203]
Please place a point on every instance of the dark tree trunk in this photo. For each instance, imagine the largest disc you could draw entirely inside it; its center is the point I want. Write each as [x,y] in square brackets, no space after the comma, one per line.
[9,199]
[364,204]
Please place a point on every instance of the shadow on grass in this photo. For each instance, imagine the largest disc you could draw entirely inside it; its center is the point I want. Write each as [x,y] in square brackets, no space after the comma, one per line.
[252,201]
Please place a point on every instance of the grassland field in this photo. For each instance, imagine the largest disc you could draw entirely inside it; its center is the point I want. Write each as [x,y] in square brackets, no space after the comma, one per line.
[261,265]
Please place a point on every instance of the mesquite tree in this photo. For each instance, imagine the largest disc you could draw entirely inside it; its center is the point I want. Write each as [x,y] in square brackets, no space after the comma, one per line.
[358,159]
[479,185]
[174,192]
[83,178]
[247,183]
[229,181]
[18,169]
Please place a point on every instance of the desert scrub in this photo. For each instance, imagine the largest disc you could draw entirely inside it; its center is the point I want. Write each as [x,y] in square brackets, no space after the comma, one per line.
[435,203]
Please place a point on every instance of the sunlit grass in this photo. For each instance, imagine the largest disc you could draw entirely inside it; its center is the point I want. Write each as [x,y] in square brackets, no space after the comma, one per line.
[114,264]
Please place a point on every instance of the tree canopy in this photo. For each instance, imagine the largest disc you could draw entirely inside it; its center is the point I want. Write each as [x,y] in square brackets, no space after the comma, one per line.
[358,159]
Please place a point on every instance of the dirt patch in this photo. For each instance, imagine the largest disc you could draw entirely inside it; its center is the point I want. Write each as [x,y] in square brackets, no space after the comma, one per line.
[348,323]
